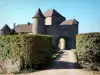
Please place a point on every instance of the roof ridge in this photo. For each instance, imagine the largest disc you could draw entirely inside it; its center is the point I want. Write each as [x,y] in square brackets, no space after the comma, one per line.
[69,22]
[52,13]
[24,24]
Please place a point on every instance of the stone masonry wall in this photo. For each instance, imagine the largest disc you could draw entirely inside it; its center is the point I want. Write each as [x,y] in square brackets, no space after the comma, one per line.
[69,31]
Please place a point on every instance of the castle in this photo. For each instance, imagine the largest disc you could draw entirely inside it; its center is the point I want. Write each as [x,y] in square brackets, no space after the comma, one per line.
[51,23]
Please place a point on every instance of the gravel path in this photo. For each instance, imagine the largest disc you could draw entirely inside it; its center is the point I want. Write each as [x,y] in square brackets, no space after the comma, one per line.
[64,65]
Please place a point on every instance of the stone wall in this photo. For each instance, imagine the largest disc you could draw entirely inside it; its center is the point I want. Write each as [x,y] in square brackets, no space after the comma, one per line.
[11,65]
[1,33]
[68,31]
[48,21]
[54,20]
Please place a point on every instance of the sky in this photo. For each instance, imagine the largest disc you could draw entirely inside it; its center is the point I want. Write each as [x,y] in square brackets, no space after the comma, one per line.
[86,12]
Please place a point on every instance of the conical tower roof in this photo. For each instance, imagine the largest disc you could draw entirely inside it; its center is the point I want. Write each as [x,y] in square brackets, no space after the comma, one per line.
[6,27]
[52,13]
[38,14]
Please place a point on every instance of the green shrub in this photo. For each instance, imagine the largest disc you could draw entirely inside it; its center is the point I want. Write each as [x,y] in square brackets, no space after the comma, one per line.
[56,55]
[88,50]
[12,32]
[35,49]
[75,52]
[55,49]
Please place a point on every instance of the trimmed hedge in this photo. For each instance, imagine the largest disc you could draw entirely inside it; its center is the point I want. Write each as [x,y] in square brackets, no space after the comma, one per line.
[88,50]
[35,49]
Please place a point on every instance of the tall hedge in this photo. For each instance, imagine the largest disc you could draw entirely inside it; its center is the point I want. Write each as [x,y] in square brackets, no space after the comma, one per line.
[88,50]
[35,49]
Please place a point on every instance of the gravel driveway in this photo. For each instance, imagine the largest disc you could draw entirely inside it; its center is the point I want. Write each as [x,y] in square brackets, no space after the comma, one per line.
[64,65]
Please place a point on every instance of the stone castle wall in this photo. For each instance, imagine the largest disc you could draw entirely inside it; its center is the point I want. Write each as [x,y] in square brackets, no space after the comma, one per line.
[67,31]
[54,20]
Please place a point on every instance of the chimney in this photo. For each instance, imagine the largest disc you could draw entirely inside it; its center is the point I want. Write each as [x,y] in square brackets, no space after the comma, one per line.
[14,25]
[28,23]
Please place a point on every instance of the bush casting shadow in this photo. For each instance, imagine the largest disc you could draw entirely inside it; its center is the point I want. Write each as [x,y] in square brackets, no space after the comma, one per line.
[65,65]
[57,64]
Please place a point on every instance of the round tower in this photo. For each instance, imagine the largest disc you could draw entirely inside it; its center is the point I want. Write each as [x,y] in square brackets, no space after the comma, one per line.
[38,23]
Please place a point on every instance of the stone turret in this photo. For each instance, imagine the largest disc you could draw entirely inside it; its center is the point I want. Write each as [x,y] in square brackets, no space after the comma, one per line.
[38,23]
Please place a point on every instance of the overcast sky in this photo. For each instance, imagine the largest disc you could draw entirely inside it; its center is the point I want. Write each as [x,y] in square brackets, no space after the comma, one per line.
[87,12]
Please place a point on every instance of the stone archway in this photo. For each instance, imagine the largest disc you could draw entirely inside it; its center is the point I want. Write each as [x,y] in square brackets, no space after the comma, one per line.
[62,42]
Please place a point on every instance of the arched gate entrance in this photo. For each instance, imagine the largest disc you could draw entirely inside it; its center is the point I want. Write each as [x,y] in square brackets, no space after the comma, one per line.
[62,42]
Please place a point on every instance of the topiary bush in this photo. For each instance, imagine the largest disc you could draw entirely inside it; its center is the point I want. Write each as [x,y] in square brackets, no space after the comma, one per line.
[88,50]
[34,49]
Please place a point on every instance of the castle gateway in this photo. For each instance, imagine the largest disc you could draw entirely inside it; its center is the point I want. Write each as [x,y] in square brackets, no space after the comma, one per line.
[51,23]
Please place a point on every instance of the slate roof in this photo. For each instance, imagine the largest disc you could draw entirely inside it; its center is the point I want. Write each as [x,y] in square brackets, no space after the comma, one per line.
[38,14]
[52,13]
[28,28]
[24,28]
[69,22]
[6,27]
